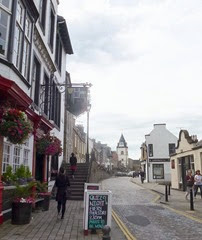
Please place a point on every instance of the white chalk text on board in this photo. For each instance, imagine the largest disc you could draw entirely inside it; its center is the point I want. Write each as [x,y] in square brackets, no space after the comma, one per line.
[97,215]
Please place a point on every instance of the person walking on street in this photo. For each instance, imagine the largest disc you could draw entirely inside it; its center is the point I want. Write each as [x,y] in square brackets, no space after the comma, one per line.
[62,182]
[197,183]
[189,183]
[142,175]
[73,163]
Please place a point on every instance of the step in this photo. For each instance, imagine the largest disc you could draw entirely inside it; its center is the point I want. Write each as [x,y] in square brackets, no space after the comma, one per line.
[79,198]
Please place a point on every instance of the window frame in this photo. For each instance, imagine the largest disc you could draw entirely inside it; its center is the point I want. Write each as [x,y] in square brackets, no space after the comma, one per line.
[8,11]
[150,150]
[155,165]
[22,51]
[52,28]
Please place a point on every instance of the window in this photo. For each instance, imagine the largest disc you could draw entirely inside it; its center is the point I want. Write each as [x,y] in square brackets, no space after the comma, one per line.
[55,104]
[22,40]
[5,15]
[46,95]
[25,157]
[36,80]
[158,171]
[52,28]
[42,13]
[171,148]
[58,53]
[150,150]
[122,153]
[16,158]
[6,156]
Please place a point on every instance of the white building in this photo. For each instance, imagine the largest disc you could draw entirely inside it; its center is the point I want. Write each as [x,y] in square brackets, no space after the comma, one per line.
[122,151]
[160,144]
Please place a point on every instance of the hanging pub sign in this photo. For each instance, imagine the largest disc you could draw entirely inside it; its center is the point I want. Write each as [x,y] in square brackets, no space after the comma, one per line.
[77,101]
[97,210]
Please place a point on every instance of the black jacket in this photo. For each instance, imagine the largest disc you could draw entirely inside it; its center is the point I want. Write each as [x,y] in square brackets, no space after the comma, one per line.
[73,161]
[62,182]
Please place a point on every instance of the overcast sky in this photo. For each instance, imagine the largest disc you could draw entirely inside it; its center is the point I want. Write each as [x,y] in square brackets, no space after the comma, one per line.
[144,59]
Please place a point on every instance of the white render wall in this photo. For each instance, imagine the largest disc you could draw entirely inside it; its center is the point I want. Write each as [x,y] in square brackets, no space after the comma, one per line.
[160,137]
[123,157]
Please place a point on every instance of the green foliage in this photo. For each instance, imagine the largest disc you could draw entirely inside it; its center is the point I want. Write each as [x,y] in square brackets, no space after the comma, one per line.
[28,174]
[41,187]
[9,176]
[15,126]
[25,190]
[20,172]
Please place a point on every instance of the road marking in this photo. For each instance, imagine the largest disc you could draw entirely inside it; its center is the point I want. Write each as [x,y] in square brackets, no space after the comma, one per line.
[123,227]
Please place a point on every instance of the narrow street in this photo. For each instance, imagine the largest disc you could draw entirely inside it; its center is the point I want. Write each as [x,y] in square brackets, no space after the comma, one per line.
[145,219]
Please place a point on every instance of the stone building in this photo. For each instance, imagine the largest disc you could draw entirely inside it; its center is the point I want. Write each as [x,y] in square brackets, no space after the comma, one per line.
[188,155]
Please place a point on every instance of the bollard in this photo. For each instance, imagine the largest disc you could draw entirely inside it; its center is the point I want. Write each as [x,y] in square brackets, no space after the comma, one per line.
[106,233]
[191,200]
[169,189]
[166,193]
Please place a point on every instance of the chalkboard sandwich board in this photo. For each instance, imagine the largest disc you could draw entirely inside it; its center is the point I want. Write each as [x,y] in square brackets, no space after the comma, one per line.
[97,209]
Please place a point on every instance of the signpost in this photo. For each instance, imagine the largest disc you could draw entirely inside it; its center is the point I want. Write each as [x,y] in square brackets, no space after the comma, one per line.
[97,212]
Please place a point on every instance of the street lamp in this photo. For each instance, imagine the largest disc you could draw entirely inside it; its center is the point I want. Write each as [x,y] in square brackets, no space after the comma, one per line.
[87,145]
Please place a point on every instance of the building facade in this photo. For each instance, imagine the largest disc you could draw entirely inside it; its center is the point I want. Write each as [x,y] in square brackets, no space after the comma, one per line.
[79,143]
[188,156]
[160,144]
[122,151]
[34,42]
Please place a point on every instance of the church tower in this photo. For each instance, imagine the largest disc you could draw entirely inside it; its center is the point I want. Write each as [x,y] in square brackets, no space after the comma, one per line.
[122,151]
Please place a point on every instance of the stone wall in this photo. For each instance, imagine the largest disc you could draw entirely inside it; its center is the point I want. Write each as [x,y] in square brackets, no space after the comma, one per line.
[98,173]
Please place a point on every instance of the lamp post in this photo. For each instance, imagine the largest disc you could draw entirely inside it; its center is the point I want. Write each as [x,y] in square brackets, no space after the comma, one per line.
[87,140]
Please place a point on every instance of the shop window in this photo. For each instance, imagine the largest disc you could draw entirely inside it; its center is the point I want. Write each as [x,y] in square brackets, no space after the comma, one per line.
[158,171]
[6,156]
[171,147]
[5,15]
[150,150]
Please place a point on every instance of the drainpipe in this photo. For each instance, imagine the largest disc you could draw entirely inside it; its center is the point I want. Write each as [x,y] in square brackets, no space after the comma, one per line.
[1,184]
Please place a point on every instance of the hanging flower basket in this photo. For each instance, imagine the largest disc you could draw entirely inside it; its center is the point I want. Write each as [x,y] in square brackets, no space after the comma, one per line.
[49,145]
[15,126]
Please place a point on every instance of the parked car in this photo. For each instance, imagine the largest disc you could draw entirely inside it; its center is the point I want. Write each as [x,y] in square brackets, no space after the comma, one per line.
[121,174]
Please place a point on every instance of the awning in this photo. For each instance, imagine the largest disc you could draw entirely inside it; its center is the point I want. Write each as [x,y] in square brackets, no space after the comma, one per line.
[12,94]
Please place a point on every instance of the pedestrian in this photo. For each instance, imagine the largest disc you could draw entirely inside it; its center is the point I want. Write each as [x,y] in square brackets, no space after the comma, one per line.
[189,183]
[197,183]
[142,174]
[73,163]
[62,182]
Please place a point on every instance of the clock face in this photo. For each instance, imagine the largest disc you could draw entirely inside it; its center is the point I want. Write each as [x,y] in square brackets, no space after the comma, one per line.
[121,144]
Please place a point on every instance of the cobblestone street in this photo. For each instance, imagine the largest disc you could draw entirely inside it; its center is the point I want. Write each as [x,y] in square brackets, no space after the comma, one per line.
[146,219]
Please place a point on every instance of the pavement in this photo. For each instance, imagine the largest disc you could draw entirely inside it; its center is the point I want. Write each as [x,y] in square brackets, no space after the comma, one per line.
[46,226]
[176,200]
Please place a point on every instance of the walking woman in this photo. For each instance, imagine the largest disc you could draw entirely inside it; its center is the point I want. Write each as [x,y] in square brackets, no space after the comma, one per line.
[189,183]
[197,183]
[73,163]
[62,182]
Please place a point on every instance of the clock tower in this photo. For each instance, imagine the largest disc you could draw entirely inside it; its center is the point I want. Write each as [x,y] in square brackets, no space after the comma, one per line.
[122,151]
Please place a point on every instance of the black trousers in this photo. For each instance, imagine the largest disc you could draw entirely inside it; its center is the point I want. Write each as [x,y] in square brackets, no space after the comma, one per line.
[63,205]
